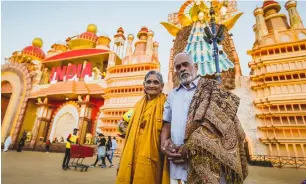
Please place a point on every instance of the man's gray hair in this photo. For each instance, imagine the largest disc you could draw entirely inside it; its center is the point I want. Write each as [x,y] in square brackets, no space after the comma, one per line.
[183,55]
[153,72]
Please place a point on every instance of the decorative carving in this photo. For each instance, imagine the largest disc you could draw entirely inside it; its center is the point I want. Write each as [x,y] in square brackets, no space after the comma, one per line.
[26,81]
[45,77]
[80,98]
[29,136]
[88,138]
[97,73]
[39,100]
[45,100]
[87,98]
[103,75]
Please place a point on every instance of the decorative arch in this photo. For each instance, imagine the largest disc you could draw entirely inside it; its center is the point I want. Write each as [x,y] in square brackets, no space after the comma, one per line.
[71,108]
[18,76]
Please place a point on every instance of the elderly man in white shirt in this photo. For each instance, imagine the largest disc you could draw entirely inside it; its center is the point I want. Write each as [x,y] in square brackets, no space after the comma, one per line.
[175,113]
[193,96]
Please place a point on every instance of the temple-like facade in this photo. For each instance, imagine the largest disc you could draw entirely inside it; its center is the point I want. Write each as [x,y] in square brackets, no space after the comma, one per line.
[82,83]
[273,97]
[124,84]
[278,78]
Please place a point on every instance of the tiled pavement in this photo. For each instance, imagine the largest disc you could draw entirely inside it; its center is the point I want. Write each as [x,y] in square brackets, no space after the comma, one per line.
[37,167]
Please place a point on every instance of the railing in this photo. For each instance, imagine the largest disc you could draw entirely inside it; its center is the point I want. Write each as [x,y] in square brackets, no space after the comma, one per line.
[41,147]
[278,161]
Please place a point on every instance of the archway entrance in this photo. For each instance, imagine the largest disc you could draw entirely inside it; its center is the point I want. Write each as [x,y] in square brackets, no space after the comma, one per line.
[64,121]
[64,125]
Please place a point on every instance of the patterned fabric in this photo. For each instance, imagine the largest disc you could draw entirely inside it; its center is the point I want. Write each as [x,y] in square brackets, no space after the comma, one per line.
[214,136]
[202,52]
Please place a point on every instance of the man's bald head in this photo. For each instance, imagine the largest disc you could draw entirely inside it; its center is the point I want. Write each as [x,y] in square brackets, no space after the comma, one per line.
[185,68]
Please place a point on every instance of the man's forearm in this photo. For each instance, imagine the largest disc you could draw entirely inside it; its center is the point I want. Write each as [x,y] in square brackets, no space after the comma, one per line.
[165,133]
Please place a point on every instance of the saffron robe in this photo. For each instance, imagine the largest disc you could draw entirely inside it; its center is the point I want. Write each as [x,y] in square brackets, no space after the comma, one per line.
[141,160]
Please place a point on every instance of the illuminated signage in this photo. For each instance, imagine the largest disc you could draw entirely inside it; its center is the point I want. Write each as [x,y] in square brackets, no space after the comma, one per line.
[68,72]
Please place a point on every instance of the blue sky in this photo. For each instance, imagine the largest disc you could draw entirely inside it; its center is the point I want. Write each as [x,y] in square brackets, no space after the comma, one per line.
[55,21]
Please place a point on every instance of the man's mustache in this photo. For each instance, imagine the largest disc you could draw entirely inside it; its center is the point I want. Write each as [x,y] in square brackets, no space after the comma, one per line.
[181,75]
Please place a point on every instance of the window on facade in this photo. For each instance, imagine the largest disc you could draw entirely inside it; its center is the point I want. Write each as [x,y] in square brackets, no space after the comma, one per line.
[271,52]
[283,50]
[282,77]
[292,120]
[285,120]
[295,76]
[284,38]
[289,107]
[269,41]
[299,120]
[302,36]
[276,51]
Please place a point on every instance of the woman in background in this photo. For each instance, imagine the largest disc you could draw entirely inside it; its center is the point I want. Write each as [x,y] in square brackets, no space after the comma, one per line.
[109,151]
[22,141]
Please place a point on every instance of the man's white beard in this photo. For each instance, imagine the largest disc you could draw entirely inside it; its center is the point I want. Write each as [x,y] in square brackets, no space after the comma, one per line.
[187,80]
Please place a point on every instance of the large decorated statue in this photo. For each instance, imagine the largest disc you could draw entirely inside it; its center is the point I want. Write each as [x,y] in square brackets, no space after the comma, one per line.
[194,17]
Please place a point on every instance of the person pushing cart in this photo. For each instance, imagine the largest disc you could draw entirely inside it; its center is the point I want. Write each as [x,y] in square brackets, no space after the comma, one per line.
[71,139]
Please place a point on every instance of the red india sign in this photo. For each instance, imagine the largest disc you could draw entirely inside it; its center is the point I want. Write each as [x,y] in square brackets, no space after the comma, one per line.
[70,71]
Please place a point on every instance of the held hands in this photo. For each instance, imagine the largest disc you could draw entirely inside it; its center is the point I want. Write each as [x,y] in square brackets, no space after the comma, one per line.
[176,154]
[183,151]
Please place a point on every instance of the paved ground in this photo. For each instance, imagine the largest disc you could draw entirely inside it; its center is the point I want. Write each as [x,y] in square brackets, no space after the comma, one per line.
[37,167]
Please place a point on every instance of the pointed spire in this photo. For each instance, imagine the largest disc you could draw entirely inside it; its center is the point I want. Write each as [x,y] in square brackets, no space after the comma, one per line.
[294,17]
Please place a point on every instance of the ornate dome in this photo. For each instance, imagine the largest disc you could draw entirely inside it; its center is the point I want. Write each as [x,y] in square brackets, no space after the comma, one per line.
[90,34]
[143,32]
[92,28]
[268,2]
[120,30]
[35,49]
[271,5]
[150,33]
[131,37]
[155,44]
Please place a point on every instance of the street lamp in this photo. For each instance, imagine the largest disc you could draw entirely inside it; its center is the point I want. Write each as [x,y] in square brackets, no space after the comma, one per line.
[213,36]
